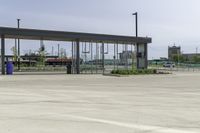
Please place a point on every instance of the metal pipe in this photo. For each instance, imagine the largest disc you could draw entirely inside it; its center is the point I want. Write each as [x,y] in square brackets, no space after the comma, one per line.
[107,51]
[84,49]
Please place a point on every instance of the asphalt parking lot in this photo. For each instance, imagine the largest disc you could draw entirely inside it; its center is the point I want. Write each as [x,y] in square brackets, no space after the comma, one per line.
[100,104]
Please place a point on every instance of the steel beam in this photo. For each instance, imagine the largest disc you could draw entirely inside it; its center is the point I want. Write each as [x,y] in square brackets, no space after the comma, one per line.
[36,34]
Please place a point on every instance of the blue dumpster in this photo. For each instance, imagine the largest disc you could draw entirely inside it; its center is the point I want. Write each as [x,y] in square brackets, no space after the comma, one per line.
[9,68]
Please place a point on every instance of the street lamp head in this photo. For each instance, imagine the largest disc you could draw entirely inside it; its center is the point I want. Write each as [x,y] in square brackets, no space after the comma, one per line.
[134,13]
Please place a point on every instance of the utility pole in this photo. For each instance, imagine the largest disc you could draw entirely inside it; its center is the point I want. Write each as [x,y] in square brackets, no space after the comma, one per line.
[18,40]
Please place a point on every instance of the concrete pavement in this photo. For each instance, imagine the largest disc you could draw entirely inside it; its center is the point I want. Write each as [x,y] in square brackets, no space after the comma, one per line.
[100,104]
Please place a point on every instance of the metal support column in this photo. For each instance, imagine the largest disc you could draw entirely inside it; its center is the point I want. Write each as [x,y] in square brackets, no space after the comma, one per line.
[117,55]
[3,55]
[142,61]
[77,56]
[91,46]
[137,55]
[58,50]
[126,56]
[103,63]
[146,55]
[97,56]
[114,57]
[132,57]
[19,67]
[72,58]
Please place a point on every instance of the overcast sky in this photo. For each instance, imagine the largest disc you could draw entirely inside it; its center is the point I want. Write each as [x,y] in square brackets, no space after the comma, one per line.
[166,21]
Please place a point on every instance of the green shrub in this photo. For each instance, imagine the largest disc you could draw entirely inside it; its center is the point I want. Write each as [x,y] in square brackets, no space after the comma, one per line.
[134,72]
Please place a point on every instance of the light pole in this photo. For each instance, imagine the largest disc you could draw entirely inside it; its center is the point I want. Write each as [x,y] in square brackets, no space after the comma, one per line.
[136,34]
[136,23]
[18,26]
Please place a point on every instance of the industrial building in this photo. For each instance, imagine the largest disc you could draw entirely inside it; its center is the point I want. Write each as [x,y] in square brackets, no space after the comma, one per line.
[176,51]
[173,51]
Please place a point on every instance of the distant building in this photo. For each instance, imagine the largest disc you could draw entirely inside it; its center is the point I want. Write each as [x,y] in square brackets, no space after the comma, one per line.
[190,56]
[173,51]
[176,51]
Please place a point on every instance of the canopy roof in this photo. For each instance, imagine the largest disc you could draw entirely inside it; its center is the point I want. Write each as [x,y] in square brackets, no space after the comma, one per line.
[37,34]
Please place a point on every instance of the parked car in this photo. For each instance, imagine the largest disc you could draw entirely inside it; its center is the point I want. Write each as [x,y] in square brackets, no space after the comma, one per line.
[169,64]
